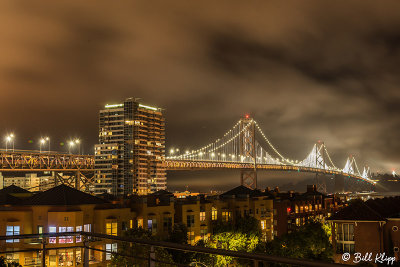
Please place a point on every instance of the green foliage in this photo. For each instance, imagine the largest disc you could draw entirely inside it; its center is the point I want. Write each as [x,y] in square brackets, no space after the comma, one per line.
[310,241]
[242,235]
[179,235]
[140,253]
[247,224]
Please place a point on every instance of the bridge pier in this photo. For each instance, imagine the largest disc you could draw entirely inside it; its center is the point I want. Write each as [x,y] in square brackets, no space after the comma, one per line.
[339,183]
[320,182]
[248,178]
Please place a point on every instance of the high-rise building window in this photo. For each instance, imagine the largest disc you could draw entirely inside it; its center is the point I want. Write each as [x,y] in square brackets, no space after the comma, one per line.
[112,228]
[12,230]
[214,213]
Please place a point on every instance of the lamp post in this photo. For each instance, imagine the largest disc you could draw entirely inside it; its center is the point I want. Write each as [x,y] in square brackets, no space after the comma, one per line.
[9,139]
[78,142]
[70,145]
[43,140]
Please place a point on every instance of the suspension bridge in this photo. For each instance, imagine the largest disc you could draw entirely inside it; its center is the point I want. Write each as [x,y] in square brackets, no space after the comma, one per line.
[246,147]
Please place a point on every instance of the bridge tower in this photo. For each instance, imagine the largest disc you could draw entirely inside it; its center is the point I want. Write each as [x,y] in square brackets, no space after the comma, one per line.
[320,178]
[247,151]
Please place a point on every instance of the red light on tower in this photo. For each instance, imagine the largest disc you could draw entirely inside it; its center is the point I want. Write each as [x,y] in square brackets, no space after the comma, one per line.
[247,116]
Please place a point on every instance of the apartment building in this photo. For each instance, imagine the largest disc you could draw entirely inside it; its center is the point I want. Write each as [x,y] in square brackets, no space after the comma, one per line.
[60,209]
[293,209]
[367,227]
[128,158]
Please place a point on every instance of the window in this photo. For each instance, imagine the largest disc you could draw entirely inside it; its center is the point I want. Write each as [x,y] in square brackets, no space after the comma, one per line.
[202,216]
[344,238]
[140,223]
[12,230]
[110,248]
[52,229]
[87,228]
[111,228]
[65,239]
[167,224]
[214,214]
[263,224]
[190,220]
[79,237]
[395,228]
[190,237]
[40,229]
[152,225]
[226,215]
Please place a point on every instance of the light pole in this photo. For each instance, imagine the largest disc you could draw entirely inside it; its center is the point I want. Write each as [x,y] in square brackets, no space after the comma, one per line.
[48,140]
[41,142]
[78,142]
[12,140]
[9,139]
[71,144]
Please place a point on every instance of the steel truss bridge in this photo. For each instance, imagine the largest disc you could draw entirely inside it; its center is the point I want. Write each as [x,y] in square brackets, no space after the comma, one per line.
[73,170]
[246,147]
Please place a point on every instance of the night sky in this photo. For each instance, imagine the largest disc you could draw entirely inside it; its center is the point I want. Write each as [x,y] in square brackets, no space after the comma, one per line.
[306,71]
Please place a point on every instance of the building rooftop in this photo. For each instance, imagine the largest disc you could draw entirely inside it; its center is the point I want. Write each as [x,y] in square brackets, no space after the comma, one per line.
[371,210]
[63,195]
[242,191]
[13,189]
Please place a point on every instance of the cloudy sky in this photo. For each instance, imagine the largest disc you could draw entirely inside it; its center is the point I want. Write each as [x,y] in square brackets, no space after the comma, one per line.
[306,70]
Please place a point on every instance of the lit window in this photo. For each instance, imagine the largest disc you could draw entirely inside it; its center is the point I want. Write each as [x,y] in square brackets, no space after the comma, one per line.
[111,228]
[152,225]
[226,215]
[214,214]
[52,229]
[12,230]
[87,228]
[79,237]
[202,216]
[191,237]
[110,248]
[263,224]
[140,223]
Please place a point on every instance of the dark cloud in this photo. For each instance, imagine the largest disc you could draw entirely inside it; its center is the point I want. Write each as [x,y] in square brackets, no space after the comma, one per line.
[307,71]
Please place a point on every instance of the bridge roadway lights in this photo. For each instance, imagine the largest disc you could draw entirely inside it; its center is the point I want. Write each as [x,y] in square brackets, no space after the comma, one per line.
[339,183]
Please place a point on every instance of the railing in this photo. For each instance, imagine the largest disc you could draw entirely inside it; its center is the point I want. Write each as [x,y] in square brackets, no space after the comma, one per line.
[258,258]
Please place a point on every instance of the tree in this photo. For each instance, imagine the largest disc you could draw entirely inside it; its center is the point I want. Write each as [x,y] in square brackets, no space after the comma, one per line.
[310,241]
[244,234]
[179,235]
[140,253]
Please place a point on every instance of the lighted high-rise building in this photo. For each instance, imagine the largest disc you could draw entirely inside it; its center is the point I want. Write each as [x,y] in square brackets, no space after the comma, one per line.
[128,158]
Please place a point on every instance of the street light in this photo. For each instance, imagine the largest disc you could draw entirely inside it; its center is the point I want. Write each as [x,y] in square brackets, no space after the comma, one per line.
[9,139]
[42,141]
[78,142]
[71,144]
